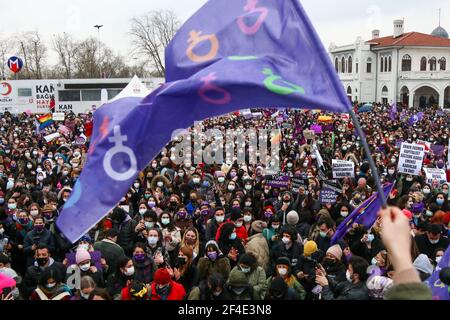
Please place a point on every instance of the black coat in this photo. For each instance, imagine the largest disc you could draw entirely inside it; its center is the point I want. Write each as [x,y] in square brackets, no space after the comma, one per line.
[190,278]
[426,247]
[33,275]
[294,254]
[346,291]
[127,236]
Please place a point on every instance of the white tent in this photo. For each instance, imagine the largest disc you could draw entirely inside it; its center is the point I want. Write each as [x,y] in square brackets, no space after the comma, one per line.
[134,89]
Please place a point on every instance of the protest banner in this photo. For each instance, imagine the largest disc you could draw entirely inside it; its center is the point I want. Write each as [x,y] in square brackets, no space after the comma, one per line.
[331,185]
[277,180]
[59,116]
[435,174]
[297,182]
[328,196]
[343,169]
[411,158]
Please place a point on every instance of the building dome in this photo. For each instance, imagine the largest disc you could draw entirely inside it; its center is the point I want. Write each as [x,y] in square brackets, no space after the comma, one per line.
[440,32]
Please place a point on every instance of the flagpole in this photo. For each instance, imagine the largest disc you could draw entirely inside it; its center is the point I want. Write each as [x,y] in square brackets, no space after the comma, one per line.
[369,156]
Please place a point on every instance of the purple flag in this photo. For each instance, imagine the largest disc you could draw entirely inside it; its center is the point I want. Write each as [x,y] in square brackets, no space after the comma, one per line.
[393,112]
[439,289]
[366,214]
[255,53]
[416,118]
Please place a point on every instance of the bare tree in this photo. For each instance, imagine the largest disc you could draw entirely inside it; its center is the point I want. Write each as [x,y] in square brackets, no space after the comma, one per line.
[151,34]
[86,59]
[34,53]
[66,48]
[5,48]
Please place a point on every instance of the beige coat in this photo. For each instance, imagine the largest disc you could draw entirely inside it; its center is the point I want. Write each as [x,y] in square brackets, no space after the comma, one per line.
[257,245]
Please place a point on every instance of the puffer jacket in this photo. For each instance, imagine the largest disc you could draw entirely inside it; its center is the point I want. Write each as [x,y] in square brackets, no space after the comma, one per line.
[346,291]
[257,245]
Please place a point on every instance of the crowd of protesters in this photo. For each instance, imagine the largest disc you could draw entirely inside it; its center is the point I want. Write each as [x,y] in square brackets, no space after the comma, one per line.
[221,232]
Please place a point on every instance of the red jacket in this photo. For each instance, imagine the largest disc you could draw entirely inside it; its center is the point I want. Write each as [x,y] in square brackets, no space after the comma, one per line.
[177,292]
[241,232]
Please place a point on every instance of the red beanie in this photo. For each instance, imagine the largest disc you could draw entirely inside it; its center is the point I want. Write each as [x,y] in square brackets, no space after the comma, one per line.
[161,277]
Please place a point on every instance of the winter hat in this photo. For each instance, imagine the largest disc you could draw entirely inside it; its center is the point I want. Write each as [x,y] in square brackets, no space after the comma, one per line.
[258,226]
[278,285]
[283,261]
[86,238]
[378,286]
[292,218]
[310,248]
[47,208]
[269,207]
[161,276]
[422,263]
[237,278]
[82,255]
[6,282]
[236,214]
[336,251]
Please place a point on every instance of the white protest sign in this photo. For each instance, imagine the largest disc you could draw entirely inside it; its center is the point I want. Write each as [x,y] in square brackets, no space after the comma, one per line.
[52,137]
[411,158]
[343,169]
[59,116]
[435,174]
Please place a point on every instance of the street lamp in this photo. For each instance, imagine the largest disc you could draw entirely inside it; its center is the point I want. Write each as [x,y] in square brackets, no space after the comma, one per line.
[99,51]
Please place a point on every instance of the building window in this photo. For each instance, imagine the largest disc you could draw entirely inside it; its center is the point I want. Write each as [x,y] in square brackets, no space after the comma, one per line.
[350,65]
[349,90]
[343,65]
[443,64]
[357,67]
[69,95]
[336,64]
[385,64]
[91,95]
[406,63]
[423,64]
[390,64]
[24,92]
[384,91]
[369,65]
[432,63]
[112,93]
[382,65]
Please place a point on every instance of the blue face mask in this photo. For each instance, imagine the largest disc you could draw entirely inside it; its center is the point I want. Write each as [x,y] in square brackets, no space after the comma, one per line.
[233,236]
[440,202]
[370,238]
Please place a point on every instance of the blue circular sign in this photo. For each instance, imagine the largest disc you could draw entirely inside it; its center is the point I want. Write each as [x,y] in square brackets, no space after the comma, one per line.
[15,64]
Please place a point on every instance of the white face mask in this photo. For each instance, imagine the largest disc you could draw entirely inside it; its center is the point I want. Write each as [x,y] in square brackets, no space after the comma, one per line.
[438,260]
[344,214]
[85,295]
[34,213]
[221,179]
[152,240]
[220,219]
[282,271]
[238,224]
[231,188]
[85,267]
[160,184]
[374,262]
[129,272]
[196,180]
[142,211]
[136,185]
[247,218]
[348,276]
[248,204]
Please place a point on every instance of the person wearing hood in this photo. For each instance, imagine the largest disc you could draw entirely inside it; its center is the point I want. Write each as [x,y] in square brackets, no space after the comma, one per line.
[214,223]
[87,268]
[214,261]
[42,262]
[433,239]
[127,229]
[22,227]
[256,275]
[258,246]
[238,286]
[160,182]
[211,289]
[283,269]
[333,265]
[424,266]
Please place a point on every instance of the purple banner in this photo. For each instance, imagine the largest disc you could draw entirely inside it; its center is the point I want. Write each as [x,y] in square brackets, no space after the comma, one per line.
[439,289]
[328,196]
[216,64]
[277,181]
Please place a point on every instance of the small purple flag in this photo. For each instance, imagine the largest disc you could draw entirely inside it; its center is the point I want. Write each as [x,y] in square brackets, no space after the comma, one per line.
[261,53]
[416,118]
[366,214]
[393,112]
[440,290]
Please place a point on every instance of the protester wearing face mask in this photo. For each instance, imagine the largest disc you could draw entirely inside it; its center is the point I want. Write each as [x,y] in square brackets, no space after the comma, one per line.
[171,233]
[211,289]
[288,247]
[184,271]
[214,261]
[87,288]
[353,289]
[214,224]
[230,244]
[191,239]
[39,235]
[256,276]
[51,287]
[368,247]
[144,265]
[43,261]
[118,280]
[164,288]
[442,202]
[86,267]
[237,219]
[282,268]
[433,239]
[127,226]
[156,249]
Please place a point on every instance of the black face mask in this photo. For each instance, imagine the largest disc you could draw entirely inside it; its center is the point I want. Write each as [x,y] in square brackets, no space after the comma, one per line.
[163,291]
[42,261]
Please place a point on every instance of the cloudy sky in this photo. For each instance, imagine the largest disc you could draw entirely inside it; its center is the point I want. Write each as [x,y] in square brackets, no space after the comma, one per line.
[341,22]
